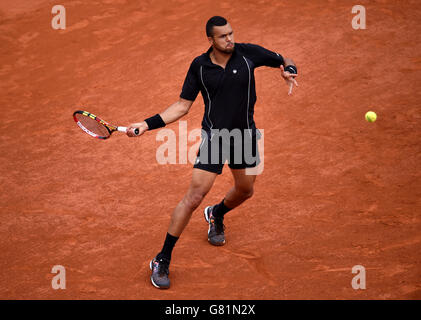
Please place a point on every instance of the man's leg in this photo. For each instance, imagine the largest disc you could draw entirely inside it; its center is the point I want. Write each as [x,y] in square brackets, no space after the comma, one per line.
[242,190]
[200,185]
[214,215]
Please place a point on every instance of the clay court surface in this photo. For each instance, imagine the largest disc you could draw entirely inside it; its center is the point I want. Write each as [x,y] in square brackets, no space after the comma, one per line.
[336,191]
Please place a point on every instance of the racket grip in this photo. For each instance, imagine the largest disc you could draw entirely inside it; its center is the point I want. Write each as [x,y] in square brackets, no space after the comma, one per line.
[124,129]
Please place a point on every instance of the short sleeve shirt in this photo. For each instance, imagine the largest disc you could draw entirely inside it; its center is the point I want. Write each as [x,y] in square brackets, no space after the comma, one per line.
[229,94]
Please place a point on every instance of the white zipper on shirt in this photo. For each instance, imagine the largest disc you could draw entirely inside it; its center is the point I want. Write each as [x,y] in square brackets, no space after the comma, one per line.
[248,97]
[210,102]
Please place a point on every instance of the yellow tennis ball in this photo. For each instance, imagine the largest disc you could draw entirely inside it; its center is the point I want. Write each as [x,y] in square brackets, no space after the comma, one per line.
[370,116]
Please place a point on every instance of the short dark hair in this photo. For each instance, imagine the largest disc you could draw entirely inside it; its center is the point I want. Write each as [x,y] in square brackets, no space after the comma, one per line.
[214,21]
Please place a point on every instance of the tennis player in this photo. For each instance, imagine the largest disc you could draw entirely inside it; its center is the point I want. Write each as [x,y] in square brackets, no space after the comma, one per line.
[225,77]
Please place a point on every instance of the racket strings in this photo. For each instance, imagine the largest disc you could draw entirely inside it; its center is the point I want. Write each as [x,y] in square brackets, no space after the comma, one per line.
[92,126]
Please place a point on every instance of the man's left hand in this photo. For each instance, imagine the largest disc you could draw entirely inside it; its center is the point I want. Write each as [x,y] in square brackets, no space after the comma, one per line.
[289,79]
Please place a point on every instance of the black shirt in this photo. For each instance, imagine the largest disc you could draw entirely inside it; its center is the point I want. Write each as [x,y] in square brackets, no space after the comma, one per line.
[229,94]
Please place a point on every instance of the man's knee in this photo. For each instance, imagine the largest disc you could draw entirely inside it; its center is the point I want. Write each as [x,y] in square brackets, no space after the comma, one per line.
[194,198]
[245,192]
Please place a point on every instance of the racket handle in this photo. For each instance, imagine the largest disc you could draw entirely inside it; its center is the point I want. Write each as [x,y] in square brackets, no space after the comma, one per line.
[124,129]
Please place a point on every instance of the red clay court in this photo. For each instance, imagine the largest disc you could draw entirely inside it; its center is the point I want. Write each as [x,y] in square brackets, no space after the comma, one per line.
[336,191]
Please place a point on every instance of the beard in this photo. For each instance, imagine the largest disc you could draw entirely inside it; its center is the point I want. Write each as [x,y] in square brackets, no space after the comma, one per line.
[229,50]
[226,50]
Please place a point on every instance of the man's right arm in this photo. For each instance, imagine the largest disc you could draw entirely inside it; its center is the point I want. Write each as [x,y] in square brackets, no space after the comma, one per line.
[189,92]
[174,112]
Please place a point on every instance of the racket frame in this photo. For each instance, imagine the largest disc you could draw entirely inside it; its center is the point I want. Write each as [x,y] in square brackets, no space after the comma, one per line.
[108,126]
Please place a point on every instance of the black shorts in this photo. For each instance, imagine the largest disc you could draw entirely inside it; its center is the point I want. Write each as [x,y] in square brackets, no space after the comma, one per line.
[240,153]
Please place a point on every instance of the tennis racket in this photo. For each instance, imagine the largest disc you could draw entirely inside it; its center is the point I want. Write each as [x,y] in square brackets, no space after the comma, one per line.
[95,126]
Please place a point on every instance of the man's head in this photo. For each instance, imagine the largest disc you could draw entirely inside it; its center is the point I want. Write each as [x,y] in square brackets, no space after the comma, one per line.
[220,34]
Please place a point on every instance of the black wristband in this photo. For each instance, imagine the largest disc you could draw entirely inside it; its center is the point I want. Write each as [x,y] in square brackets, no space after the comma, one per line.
[291,69]
[155,122]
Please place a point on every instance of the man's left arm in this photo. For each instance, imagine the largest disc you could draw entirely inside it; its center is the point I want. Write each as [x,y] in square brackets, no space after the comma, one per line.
[264,57]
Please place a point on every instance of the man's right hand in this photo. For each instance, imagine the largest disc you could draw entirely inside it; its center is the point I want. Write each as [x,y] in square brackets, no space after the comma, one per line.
[142,126]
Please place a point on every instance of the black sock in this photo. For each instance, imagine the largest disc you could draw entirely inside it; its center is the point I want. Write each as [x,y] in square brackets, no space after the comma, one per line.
[220,210]
[168,247]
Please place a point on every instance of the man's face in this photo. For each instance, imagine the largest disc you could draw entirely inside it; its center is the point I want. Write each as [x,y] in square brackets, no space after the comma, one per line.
[223,38]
